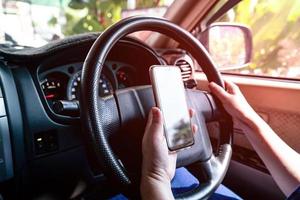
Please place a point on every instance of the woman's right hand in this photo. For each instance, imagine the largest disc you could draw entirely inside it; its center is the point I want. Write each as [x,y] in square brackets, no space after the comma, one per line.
[234,102]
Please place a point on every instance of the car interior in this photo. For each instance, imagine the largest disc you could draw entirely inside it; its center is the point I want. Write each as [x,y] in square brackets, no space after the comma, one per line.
[73,110]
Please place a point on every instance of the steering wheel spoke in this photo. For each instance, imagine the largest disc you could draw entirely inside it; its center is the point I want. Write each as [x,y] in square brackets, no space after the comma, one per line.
[202,149]
[211,172]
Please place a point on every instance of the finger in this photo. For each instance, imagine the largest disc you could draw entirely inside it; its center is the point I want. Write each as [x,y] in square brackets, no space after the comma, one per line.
[231,87]
[192,112]
[194,128]
[218,91]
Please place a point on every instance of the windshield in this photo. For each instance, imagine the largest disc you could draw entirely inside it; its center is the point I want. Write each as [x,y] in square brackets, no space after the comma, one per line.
[36,22]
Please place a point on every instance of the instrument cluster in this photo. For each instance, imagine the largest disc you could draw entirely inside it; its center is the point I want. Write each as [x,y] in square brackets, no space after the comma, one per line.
[61,84]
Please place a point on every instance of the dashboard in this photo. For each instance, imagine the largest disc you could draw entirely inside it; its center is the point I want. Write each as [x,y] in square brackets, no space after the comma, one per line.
[57,75]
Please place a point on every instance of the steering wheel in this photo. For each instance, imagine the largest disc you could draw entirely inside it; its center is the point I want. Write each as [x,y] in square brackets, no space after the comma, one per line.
[114,124]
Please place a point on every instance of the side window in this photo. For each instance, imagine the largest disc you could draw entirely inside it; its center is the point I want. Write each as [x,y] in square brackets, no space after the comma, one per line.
[275,26]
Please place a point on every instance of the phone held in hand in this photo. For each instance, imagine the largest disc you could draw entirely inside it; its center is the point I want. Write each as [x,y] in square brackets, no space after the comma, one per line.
[170,97]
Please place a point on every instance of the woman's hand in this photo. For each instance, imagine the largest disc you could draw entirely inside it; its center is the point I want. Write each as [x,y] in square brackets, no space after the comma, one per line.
[159,164]
[234,102]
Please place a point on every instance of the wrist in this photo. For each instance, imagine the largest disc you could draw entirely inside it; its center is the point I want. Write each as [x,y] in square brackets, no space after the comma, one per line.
[155,186]
[151,180]
[250,117]
[152,188]
[155,176]
[253,121]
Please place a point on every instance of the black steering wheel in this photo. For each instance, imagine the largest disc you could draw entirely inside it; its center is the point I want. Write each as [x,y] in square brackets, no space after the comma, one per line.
[114,124]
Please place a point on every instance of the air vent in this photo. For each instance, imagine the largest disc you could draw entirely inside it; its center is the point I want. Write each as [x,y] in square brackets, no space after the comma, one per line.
[185,65]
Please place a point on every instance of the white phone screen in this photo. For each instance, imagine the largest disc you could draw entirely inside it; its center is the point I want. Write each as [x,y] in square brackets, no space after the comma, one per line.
[170,97]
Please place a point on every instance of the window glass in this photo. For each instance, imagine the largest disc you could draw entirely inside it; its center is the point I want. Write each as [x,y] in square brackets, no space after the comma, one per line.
[275,26]
[36,22]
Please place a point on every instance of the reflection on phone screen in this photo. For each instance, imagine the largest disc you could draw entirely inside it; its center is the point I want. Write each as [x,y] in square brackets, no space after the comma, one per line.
[172,102]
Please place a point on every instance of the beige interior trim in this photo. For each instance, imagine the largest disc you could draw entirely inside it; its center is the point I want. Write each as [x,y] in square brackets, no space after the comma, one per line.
[263,93]
[185,13]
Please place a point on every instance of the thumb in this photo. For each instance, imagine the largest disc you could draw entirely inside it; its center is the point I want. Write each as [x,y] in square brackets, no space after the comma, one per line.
[155,123]
[156,116]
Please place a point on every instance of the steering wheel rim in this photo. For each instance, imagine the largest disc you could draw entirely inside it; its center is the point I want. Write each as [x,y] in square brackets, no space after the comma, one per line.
[91,104]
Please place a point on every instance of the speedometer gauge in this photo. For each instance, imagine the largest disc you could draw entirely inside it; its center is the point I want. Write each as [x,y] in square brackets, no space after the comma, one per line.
[73,91]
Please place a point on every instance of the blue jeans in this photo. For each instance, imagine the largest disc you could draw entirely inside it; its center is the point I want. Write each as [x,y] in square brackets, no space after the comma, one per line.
[184,181]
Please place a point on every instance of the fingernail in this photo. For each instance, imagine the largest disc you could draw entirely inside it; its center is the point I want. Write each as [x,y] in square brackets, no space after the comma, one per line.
[155,114]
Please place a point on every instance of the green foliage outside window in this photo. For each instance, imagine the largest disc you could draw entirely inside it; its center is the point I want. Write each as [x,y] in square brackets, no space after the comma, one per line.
[275,25]
[96,15]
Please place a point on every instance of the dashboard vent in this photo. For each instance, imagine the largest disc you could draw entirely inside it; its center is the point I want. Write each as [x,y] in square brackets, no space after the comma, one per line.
[185,65]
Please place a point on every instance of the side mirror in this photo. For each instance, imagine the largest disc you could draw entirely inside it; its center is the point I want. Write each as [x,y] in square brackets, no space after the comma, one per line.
[229,44]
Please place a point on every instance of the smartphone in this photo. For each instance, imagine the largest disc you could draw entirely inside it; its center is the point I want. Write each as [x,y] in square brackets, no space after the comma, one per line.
[170,97]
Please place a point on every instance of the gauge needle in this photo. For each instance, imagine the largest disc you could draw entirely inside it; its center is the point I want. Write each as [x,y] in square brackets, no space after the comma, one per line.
[50,96]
